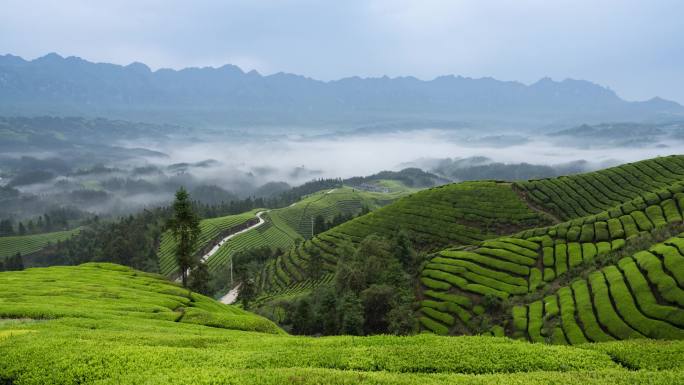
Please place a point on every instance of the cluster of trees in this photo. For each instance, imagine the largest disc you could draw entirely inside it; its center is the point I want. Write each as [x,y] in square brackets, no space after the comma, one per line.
[132,241]
[12,263]
[372,292]
[320,224]
[412,177]
[294,194]
[54,220]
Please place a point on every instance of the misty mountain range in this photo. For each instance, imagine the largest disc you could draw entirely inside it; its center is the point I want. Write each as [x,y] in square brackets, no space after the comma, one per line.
[54,85]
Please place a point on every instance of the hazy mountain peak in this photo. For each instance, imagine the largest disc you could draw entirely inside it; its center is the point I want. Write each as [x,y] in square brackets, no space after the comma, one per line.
[53,84]
[50,57]
[138,67]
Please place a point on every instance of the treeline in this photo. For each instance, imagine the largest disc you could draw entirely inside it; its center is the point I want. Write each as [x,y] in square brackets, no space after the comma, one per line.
[411,177]
[278,200]
[12,263]
[132,241]
[286,198]
[55,220]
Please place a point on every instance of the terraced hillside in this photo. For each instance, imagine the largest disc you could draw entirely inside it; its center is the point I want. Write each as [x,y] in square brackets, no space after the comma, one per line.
[567,283]
[591,193]
[282,227]
[272,234]
[641,296]
[212,230]
[328,203]
[27,244]
[462,213]
[108,324]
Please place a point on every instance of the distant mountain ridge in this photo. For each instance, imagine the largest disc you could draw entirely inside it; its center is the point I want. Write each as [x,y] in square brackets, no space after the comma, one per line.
[53,84]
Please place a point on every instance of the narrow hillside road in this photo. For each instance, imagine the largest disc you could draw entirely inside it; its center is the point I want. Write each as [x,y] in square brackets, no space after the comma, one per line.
[214,249]
[231,296]
[331,191]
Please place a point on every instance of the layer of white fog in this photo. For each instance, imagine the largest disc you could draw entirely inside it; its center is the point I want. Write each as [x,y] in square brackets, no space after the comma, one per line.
[220,165]
[298,159]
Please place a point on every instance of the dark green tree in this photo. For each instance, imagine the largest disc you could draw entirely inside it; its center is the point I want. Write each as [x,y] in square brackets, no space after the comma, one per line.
[301,319]
[402,318]
[351,312]
[326,309]
[199,279]
[319,224]
[378,301]
[184,225]
[247,292]
[315,267]
[6,227]
[14,263]
[403,250]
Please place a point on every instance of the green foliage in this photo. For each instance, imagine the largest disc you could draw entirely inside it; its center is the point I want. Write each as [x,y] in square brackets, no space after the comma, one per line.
[184,225]
[200,280]
[13,263]
[351,311]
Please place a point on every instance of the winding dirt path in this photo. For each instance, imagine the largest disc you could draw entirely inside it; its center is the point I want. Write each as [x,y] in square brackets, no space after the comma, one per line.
[231,296]
[216,247]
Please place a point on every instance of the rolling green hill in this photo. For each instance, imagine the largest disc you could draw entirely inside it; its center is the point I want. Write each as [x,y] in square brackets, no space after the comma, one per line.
[598,277]
[591,193]
[27,244]
[501,266]
[108,324]
[282,227]
[344,200]
[461,213]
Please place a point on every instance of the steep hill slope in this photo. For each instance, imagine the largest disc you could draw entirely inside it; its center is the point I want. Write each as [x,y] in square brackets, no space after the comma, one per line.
[463,213]
[542,283]
[107,324]
[283,226]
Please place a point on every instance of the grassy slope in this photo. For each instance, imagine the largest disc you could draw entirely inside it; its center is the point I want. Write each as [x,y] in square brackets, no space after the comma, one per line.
[107,291]
[27,244]
[106,324]
[629,298]
[461,213]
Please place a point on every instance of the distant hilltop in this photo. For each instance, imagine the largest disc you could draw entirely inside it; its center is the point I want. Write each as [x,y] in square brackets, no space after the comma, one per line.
[57,85]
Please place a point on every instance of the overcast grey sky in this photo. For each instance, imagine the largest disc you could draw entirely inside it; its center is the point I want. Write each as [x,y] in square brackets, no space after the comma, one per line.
[634,47]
